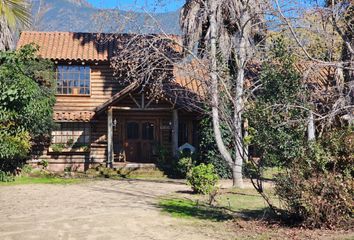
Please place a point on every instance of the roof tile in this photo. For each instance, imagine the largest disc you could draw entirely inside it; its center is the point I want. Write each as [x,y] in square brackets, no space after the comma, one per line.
[68,45]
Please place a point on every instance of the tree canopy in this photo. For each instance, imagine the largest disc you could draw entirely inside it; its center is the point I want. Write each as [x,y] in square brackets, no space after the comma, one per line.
[27,98]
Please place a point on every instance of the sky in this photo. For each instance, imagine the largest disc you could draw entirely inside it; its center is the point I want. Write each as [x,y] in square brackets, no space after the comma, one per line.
[169,5]
[139,5]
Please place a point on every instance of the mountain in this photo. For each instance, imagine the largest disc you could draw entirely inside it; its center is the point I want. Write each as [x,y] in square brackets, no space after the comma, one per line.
[80,16]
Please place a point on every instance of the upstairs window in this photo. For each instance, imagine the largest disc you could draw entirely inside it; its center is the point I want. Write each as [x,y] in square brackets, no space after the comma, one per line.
[73,80]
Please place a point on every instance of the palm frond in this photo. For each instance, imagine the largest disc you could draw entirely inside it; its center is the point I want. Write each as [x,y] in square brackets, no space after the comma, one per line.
[195,24]
[15,12]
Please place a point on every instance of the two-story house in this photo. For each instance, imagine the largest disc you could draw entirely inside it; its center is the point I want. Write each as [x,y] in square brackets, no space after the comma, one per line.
[99,119]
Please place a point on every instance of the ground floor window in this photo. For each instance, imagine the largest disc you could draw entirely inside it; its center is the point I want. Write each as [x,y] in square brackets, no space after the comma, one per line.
[183,133]
[71,134]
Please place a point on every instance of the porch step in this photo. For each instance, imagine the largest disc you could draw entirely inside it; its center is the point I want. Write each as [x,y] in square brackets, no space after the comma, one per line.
[128,165]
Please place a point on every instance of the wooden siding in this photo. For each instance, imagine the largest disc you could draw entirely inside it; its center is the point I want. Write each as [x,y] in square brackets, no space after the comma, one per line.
[103,87]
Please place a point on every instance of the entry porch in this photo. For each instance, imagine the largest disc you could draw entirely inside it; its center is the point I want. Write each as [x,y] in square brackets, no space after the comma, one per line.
[140,130]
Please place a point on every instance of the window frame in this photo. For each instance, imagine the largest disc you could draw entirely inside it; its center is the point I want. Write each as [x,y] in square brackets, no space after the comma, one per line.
[71,94]
[147,131]
[183,133]
[136,131]
[62,131]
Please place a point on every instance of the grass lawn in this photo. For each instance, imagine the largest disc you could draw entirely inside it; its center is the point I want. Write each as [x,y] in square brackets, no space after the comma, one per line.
[187,208]
[243,200]
[41,180]
[246,202]
[271,172]
[42,177]
[242,213]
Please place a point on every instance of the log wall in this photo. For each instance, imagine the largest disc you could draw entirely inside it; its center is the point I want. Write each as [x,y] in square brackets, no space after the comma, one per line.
[103,87]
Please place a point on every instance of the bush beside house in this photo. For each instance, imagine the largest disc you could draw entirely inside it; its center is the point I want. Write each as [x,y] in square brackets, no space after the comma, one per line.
[27,97]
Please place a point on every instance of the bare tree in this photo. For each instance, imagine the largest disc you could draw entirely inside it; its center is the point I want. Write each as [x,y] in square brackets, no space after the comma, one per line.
[339,99]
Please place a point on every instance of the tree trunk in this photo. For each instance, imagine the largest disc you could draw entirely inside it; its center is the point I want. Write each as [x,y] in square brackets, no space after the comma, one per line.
[237,180]
[239,151]
[6,36]
[215,89]
[243,38]
[311,135]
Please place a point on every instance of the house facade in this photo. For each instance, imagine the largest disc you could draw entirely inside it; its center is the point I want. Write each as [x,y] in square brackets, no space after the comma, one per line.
[99,119]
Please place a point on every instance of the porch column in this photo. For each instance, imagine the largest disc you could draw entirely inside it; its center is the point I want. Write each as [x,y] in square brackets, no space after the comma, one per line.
[311,131]
[175,132]
[110,138]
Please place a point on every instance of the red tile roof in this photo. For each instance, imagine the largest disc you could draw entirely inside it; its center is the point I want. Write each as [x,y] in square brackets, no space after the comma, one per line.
[69,45]
[79,46]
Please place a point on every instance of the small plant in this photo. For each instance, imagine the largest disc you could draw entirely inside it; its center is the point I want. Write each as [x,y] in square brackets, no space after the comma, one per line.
[184,165]
[6,177]
[44,163]
[107,172]
[85,148]
[58,147]
[202,178]
[68,169]
[27,169]
[162,154]
[91,173]
[70,142]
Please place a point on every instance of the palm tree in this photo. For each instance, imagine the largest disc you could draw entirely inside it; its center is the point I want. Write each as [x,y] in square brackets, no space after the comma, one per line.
[228,30]
[13,14]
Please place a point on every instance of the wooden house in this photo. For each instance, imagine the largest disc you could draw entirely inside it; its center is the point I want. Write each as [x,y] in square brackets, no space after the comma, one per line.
[99,119]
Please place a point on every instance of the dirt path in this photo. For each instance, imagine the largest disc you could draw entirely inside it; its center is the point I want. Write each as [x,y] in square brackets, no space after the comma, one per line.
[95,210]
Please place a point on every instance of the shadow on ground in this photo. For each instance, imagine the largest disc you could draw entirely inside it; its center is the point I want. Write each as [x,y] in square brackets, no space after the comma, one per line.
[186,208]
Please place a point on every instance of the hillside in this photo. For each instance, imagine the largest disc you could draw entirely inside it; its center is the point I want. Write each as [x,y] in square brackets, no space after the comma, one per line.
[80,16]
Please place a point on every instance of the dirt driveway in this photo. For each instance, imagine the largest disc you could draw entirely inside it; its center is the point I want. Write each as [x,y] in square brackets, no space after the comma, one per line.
[94,210]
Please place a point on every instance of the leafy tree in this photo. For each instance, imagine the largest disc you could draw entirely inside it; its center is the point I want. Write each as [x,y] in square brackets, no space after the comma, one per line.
[26,103]
[315,188]
[277,116]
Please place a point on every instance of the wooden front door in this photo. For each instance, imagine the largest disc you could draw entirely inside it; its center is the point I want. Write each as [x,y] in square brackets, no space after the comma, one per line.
[139,140]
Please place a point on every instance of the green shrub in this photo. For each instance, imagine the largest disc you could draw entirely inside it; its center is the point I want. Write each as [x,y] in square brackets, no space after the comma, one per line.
[317,189]
[184,165]
[202,178]
[13,146]
[27,97]
[6,177]
[27,169]
[162,155]
[209,152]
[44,163]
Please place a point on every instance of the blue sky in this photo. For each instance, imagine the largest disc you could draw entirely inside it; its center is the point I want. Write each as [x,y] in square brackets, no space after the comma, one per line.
[163,5]
[139,5]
